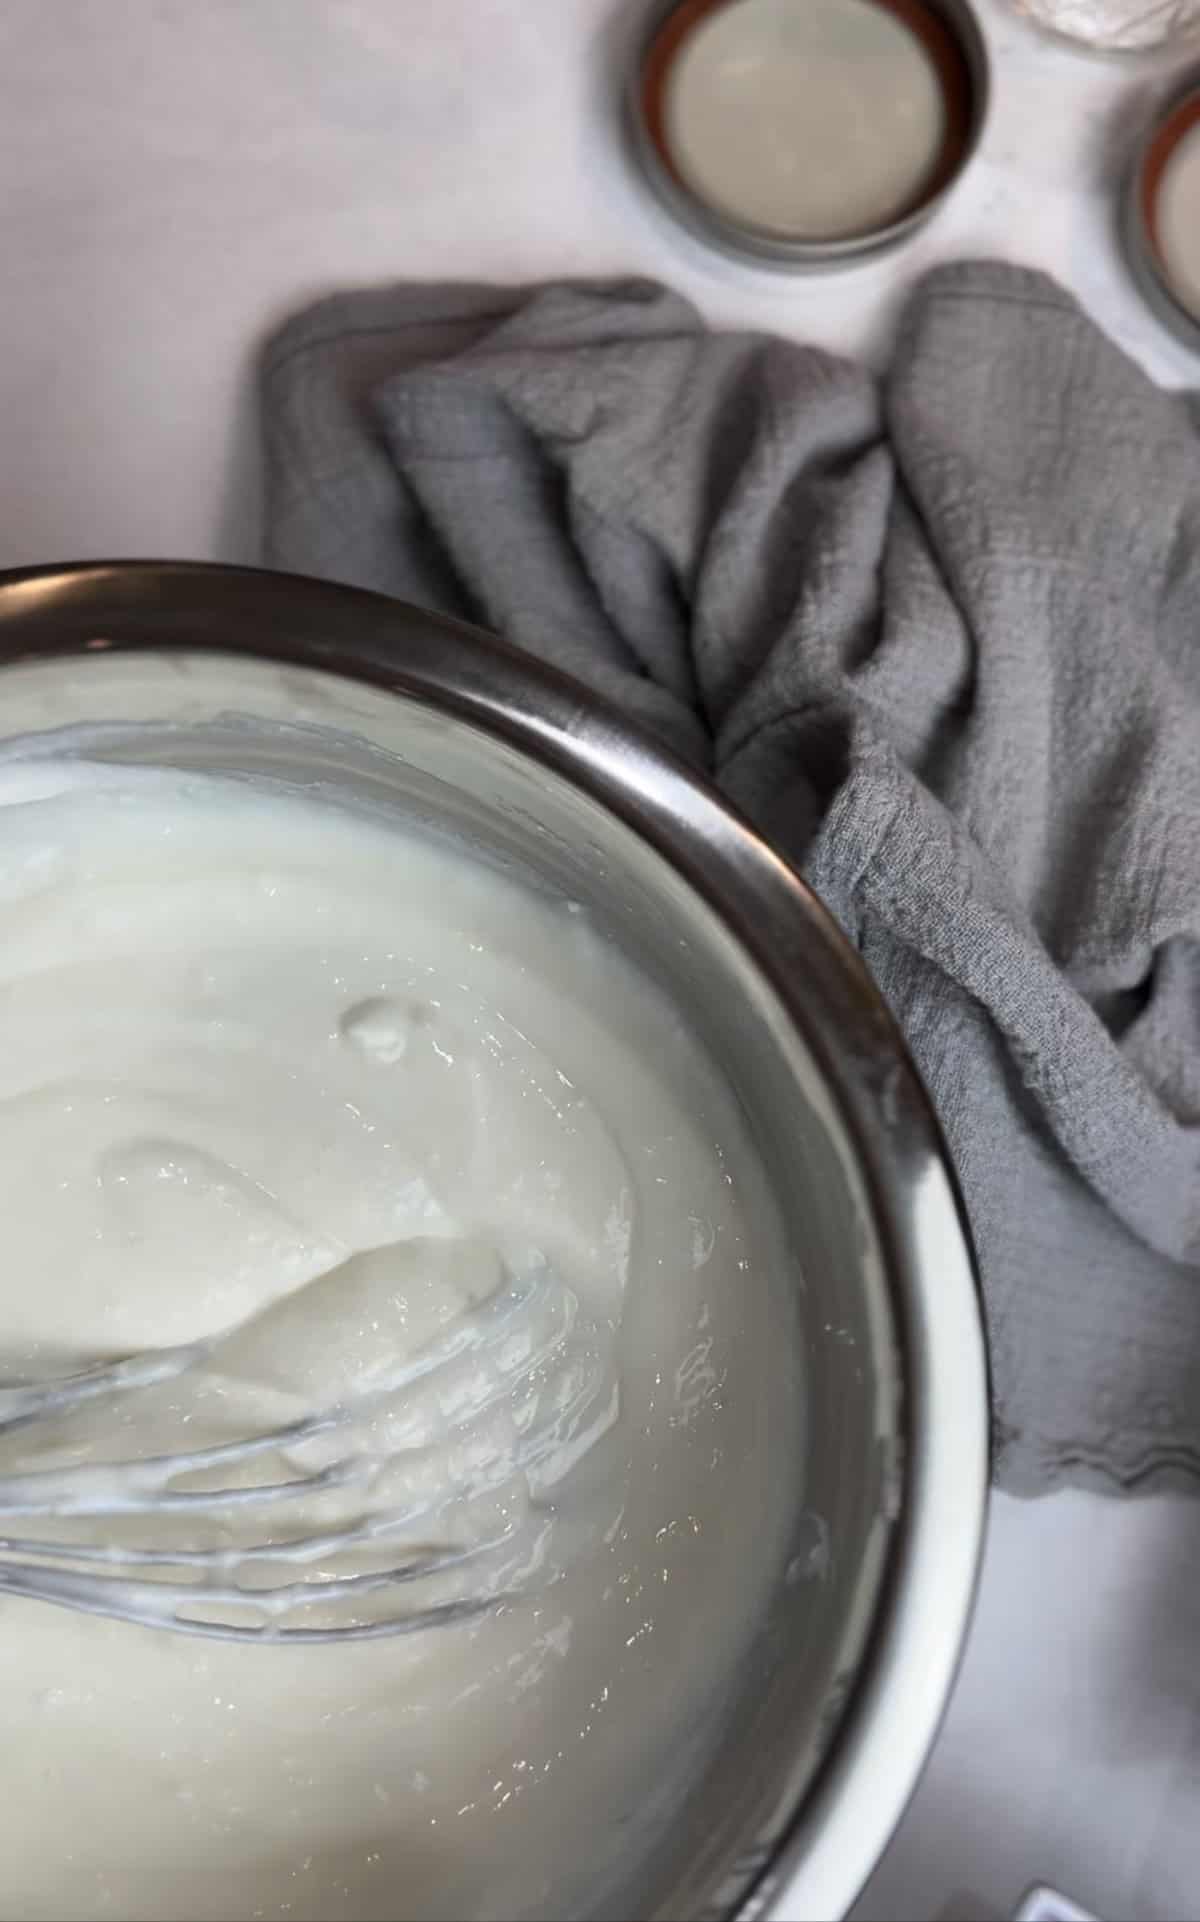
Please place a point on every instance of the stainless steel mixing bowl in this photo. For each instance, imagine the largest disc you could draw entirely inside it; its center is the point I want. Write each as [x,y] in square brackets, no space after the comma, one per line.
[834,1711]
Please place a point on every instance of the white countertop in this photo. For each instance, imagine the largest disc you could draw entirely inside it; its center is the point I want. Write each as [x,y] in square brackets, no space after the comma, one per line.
[178,174]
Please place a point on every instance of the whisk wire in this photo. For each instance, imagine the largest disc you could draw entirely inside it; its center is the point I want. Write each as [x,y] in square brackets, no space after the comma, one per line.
[522,1356]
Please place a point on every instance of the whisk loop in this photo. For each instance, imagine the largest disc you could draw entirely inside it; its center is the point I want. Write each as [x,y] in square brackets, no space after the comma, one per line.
[424,1471]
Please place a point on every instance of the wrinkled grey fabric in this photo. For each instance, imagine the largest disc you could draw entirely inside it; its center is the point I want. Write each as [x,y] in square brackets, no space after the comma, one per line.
[939,636]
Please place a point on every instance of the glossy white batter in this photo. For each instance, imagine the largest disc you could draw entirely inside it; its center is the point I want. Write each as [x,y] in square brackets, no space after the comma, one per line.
[267,1066]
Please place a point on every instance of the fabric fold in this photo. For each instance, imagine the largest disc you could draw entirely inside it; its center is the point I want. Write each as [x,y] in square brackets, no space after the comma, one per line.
[939,636]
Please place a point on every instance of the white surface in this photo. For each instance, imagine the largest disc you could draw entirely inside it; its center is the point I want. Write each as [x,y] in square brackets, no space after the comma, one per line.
[177,175]
[1047,1905]
[1071,1754]
[814,122]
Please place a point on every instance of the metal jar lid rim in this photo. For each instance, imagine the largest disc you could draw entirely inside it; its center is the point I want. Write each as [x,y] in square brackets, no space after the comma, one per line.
[951,39]
[1175,118]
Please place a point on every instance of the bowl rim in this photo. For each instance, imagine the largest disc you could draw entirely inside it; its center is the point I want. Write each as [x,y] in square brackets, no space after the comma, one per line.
[862,1784]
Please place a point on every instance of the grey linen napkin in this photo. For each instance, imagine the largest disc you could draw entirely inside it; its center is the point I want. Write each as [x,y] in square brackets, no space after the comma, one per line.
[939,637]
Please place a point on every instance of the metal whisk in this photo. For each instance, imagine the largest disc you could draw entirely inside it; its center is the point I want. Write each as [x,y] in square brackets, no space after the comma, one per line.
[409,1502]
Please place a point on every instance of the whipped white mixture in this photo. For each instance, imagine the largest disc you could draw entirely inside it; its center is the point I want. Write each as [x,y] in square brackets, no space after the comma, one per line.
[324,1095]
